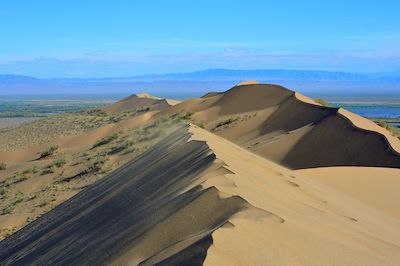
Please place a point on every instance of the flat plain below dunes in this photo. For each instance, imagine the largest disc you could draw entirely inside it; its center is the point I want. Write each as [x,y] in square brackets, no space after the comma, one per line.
[14,121]
[197,198]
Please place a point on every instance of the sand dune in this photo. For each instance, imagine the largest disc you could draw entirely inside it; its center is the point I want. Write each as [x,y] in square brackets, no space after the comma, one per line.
[291,129]
[142,100]
[273,179]
[201,199]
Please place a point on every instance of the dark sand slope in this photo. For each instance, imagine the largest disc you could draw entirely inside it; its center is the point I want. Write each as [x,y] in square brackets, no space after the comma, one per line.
[151,210]
[337,142]
[290,129]
[196,198]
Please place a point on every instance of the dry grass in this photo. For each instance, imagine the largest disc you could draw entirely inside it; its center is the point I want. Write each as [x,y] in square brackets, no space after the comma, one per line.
[322,102]
[225,122]
[48,152]
[69,173]
[50,128]
[394,130]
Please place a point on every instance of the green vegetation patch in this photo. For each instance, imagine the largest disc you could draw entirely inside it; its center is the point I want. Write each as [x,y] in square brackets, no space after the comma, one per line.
[13,204]
[392,129]
[105,140]
[322,102]
[226,122]
[48,152]
[60,163]
[16,178]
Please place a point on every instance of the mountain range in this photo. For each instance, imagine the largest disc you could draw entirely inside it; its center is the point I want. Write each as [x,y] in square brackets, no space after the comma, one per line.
[185,85]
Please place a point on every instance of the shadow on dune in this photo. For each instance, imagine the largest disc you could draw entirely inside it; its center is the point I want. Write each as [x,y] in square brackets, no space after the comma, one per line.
[148,211]
[292,130]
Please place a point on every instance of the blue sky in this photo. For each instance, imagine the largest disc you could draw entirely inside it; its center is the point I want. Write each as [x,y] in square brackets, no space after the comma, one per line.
[46,38]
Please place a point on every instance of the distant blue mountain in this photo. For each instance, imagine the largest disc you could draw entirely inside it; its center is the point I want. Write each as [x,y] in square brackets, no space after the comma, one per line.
[229,74]
[182,85]
[16,79]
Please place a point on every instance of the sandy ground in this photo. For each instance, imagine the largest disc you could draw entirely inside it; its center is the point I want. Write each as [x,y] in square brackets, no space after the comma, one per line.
[207,201]
[267,177]
[377,187]
[291,129]
[304,223]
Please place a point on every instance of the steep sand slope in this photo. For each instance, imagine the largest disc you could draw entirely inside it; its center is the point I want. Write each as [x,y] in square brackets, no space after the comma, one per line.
[377,187]
[308,223]
[202,199]
[30,187]
[291,129]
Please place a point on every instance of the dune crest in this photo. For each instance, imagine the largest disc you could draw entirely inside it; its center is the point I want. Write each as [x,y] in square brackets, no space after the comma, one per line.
[292,129]
[141,101]
[148,96]
[367,124]
[248,82]
[255,175]
[196,197]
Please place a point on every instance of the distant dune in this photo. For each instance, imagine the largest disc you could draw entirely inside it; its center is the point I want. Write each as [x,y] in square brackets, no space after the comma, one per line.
[290,129]
[136,102]
[256,175]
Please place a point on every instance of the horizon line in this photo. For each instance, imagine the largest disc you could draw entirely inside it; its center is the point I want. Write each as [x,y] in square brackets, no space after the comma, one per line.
[393,72]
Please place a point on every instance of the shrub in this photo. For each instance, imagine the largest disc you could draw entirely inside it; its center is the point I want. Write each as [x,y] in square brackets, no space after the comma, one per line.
[388,127]
[105,140]
[48,152]
[48,170]
[130,150]
[32,170]
[383,124]
[201,124]
[10,208]
[185,115]
[97,112]
[16,178]
[60,163]
[7,210]
[3,193]
[142,109]
[226,122]
[96,165]
[321,102]
[35,169]
[3,166]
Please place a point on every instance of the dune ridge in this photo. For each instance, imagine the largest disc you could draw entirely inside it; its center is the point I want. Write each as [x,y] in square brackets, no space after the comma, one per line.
[138,101]
[291,129]
[196,197]
[255,175]
[143,199]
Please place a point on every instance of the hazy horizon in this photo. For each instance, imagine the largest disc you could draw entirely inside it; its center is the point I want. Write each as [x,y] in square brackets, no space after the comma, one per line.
[378,74]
